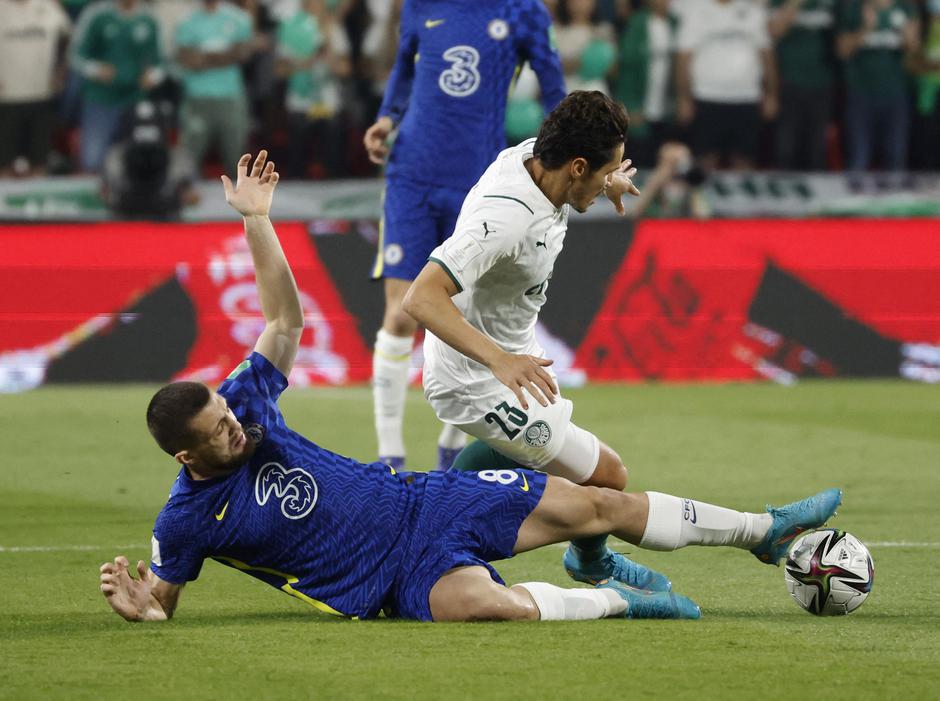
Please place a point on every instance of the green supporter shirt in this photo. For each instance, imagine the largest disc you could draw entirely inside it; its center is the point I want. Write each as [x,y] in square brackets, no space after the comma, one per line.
[928,84]
[630,85]
[805,55]
[129,42]
[209,32]
[298,38]
[877,68]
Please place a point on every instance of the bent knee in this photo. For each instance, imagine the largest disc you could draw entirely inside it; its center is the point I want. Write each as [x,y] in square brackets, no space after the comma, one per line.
[610,471]
[398,322]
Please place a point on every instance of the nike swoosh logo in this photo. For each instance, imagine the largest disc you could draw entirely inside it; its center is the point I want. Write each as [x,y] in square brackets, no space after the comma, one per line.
[432,23]
[219,516]
[525,483]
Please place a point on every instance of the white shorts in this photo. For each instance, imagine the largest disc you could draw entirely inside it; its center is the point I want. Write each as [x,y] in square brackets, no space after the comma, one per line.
[538,437]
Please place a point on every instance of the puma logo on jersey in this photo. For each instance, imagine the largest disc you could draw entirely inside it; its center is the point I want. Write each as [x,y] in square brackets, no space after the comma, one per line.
[432,23]
[540,243]
[486,230]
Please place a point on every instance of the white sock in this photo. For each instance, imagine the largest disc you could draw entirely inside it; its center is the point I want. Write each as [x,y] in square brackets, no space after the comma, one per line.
[390,363]
[452,437]
[557,604]
[675,523]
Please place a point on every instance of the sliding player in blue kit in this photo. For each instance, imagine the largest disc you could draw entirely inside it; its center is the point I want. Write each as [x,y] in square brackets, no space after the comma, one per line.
[355,539]
[447,96]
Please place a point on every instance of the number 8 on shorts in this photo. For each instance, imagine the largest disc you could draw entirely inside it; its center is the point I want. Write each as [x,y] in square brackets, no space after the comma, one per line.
[501,476]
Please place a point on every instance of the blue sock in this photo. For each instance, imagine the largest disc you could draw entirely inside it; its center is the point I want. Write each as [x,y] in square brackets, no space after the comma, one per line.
[591,548]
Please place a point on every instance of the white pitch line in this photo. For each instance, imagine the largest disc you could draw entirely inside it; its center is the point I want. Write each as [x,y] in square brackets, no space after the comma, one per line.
[65,548]
[870,544]
[80,548]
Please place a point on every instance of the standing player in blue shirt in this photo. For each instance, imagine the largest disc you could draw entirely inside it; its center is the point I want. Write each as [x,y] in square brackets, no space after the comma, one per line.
[447,95]
[353,539]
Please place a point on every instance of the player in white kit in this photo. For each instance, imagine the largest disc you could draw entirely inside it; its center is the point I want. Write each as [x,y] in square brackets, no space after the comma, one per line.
[480,294]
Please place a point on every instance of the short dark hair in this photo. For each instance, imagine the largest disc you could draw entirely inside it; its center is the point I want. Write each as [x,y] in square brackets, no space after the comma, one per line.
[586,124]
[170,411]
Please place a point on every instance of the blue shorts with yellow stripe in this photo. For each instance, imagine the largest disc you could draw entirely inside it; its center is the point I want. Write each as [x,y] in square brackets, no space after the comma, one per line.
[416,219]
[462,519]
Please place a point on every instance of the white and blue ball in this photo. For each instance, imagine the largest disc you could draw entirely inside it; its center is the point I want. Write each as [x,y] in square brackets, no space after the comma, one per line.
[829,572]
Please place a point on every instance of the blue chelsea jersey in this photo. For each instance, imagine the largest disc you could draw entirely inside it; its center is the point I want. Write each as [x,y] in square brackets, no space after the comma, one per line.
[322,527]
[453,72]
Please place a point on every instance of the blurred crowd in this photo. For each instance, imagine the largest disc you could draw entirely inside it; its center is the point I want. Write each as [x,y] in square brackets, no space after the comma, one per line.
[788,84]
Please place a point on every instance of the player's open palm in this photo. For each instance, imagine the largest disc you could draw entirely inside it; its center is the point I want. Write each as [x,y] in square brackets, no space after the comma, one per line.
[253,191]
[620,184]
[526,372]
[129,597]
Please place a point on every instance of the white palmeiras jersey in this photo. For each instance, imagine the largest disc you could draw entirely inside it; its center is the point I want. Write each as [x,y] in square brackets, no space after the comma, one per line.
[501,257]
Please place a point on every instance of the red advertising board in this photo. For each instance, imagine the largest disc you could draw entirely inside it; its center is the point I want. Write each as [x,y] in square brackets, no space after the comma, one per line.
[680,300]
[62,284]
[743,299]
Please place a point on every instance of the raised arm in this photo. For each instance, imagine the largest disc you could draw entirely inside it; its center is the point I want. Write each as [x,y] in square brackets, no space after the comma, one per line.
[148,598]
[428,300]
[251,197]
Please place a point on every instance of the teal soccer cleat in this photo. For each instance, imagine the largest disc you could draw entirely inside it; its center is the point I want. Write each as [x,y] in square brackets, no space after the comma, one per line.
[653,604]
[793,519]
[617,567]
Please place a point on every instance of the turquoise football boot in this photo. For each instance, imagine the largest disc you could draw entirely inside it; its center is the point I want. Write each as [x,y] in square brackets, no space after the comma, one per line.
[615,566]
[653,604]
[793,519]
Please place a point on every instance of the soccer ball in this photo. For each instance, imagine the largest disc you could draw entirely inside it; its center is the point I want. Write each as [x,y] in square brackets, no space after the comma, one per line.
[829,572]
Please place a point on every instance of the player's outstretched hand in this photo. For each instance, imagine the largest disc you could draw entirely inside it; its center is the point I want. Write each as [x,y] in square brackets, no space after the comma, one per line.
[129,597]
[375,140]
[252,193]
[621,184]
[526,372]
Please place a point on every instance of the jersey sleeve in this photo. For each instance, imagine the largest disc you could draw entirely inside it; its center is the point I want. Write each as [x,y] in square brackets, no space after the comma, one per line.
[761,31]
[537,46]
[245,27]
[689,34]
[152,50]
[398,89]
[186,35]
[87,44]
[176,554]
[254,387]
[849,16]
[490,232]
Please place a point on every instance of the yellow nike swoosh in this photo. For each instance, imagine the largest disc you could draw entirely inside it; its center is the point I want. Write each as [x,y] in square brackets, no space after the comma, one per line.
[219,516]
[525,483]
[432,23]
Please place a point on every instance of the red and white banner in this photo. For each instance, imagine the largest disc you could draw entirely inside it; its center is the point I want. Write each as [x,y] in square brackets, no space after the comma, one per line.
[62,284]
[735,300]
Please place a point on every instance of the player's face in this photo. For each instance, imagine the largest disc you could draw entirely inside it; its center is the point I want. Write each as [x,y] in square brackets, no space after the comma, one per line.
[222,444]
[589,184]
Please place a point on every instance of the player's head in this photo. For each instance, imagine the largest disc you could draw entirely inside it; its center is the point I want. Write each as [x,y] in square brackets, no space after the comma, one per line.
[584,137]
[195,426]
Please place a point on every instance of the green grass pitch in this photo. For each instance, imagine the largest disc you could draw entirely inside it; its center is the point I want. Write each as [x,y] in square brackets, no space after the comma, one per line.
[81,482]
